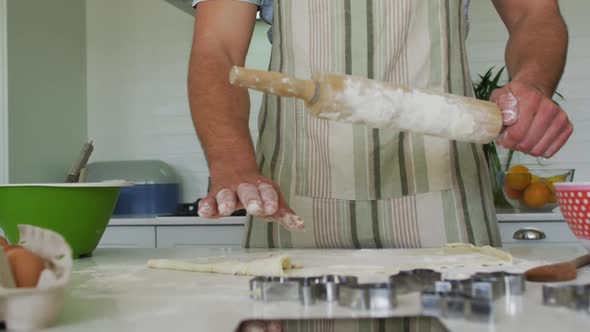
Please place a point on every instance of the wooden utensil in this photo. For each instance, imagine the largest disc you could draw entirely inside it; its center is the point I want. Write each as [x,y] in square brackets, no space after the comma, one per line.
[80,163]
[379,104]
[557,272]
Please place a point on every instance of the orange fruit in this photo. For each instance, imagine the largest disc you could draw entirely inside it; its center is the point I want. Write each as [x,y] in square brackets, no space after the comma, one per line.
[518,177]
[518,169]
[512,193]
[536,195]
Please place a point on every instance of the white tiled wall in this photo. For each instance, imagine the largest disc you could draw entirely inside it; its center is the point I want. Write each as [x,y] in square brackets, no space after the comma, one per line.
[486,44]
[137,64]
[137,95]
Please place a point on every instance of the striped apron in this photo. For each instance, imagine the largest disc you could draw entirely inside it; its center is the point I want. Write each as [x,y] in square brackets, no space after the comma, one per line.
[358,187]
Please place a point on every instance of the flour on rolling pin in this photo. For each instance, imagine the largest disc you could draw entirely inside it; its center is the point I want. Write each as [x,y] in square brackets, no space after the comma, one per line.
[375,106]
[379,104]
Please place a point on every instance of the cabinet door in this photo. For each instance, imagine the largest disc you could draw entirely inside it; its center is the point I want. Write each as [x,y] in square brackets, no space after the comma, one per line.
[553,234]
[129,237]
[199,236]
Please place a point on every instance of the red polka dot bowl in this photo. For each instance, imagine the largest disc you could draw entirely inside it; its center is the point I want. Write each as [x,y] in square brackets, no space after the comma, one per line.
[574,202]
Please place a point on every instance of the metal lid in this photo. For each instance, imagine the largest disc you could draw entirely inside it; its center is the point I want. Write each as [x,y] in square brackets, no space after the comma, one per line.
[136,171]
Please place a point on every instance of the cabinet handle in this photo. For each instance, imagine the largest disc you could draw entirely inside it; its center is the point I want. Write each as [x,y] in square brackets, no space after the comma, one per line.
[529,233]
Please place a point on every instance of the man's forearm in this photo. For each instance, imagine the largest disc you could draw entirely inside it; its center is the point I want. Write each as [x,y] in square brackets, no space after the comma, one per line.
[537,49]
[220,114]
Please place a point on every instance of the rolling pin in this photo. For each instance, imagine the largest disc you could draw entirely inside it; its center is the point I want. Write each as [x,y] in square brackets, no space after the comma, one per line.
[377,104]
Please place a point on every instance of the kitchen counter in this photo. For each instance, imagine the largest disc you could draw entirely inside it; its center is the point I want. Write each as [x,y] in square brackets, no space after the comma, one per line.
[503,215]
[114,291]
[512,215]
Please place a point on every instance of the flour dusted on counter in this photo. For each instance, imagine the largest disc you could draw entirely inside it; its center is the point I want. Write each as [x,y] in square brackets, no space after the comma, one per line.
[370,103]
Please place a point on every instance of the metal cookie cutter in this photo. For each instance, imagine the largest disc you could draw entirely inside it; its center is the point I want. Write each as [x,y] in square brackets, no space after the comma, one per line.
[270,289]
[503,283]
[515,284]
[414,280]
[481,301]
[455,285]
[329,286]
[449,299]
[444,303]
[575,297]
[375,296]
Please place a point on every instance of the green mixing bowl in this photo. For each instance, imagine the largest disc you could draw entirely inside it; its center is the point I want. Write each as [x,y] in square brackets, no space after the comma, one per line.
[79,212]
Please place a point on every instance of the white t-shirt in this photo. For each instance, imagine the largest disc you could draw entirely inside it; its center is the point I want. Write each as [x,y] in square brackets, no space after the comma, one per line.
[266,12]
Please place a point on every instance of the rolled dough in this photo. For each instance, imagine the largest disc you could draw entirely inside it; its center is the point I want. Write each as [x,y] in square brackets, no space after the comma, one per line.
[273,265]
[366,261]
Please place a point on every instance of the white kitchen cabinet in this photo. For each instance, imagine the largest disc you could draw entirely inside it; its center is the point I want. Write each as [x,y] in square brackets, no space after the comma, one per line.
[555,233]
[551,226]
[200,236]
[128,237]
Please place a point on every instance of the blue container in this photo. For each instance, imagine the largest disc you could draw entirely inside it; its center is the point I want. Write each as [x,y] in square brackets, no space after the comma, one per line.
[156,190]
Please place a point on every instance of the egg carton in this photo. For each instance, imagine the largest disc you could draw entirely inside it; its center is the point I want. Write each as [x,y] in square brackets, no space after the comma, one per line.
[28,309]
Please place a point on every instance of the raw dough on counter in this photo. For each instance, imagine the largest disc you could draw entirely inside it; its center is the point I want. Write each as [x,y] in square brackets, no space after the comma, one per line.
[460,256]
[268,266]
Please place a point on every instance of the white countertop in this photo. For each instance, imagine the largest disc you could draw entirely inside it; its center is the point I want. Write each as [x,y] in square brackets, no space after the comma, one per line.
[114,291]
[513,215]
[524,217]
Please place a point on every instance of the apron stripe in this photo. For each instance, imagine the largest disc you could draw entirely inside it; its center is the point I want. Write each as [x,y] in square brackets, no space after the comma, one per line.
[449,46]
[375,219]
[248,232]
[353,230]
[463,196]
[402,165]
[284,167]
[370,34]
[375,132]
[269,234]
[344,224]
[405,78]
[450,216]
[347,38]
[461,33]
[381,325]
[251,222]
[317,229]
[386,224]
[482,196]
[331,224]
[377,163]
[319,129]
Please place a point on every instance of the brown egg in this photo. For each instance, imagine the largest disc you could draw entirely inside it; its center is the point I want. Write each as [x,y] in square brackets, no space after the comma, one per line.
[3,243]
[26,266]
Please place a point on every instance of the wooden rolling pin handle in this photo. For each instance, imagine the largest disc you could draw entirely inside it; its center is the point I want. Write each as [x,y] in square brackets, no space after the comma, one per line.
[274,83]
[582,261]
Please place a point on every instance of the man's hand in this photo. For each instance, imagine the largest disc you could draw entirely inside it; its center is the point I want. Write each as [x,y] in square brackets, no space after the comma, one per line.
[251,191]
[535,58]
[534,124]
